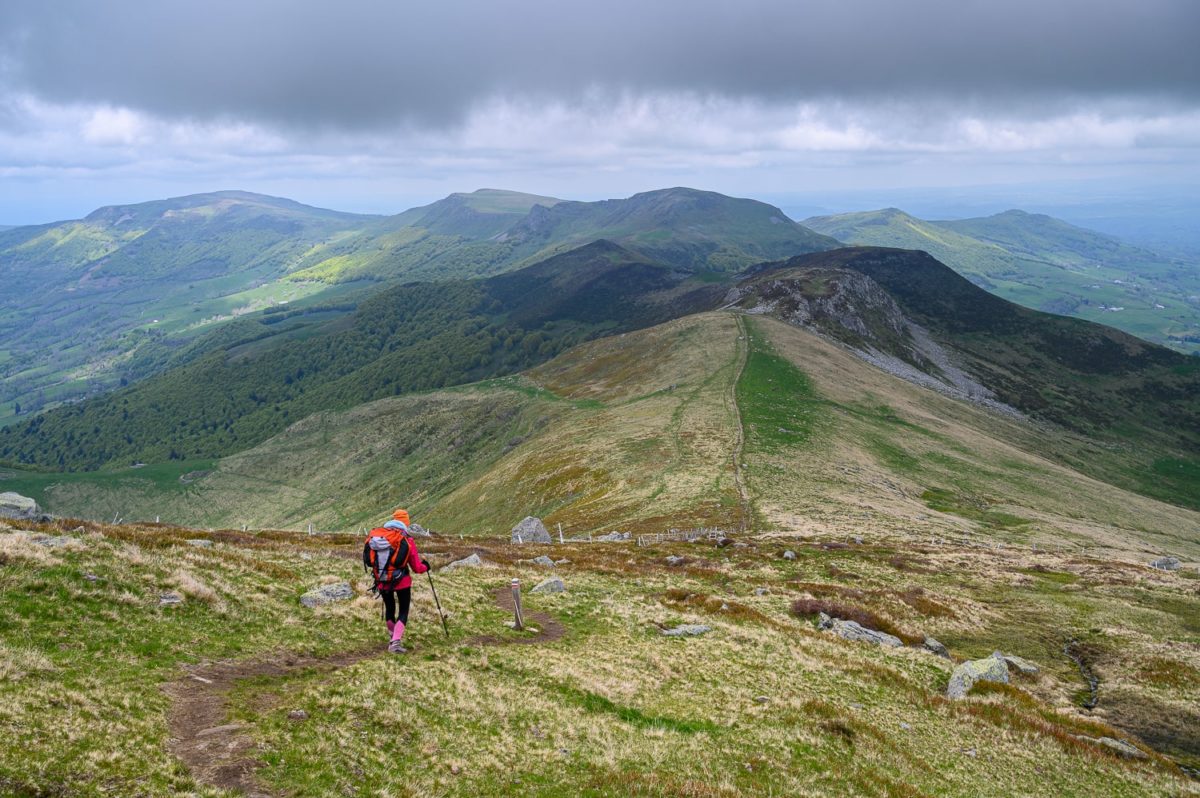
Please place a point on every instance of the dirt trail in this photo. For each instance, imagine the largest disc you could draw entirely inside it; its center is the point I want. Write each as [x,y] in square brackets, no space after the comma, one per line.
[222,754]
[743,354]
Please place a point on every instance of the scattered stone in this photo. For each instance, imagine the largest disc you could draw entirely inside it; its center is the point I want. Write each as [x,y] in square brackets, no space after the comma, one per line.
[970,752]
[563,561]
[530,530]
[724,543]
[855,705]
[740,545]
[675,559]
[858,541]
[169,599]
[91,577]
[1166,564]
[18,507]
[543,560]
[201,543]
[824,621]
[789,555]
[934,647]
[466,562]
[53,542]
[551,585]
[201,679]
[613,537]
[761,591]
[297,714]
[1022,665]
[328,594]
[418,531]
[988,669]
[852,630]
[762,699]
[687,629]
[905,726]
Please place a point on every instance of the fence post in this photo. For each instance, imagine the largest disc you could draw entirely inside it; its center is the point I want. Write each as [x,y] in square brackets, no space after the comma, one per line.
[560,540]
[518,621]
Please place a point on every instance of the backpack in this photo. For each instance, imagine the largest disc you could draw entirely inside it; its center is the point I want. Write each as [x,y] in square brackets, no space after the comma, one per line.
[385,555]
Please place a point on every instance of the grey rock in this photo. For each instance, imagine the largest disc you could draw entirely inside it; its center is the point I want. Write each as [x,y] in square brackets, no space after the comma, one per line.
[530,530]
[199,543]
[905,726]
[53,542]
[789,555]
[563,561]
[297,714]
[169,599]
[687,630]
[327,594]
[1021,664]
[551,585]
[852,630]
[418,531]
[543,561]
[18,507]
[472,561]
[1166,564]
[858,541]
[761,591]
[674,560]
[1123,748]
[933,646]
[613,537]
[824,621]
[988,669]
[91,577]
[762,699]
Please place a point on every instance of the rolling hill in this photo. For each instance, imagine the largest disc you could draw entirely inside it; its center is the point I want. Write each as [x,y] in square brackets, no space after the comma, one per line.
[110,299]
[1047,264]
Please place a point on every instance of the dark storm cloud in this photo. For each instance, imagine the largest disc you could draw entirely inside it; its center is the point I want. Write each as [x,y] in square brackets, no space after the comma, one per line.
[369,64]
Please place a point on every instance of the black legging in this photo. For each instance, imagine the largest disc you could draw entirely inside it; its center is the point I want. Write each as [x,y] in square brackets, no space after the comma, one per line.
[395,604]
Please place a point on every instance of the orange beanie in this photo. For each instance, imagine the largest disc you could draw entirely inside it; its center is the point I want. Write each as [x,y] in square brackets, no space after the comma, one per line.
[402,516]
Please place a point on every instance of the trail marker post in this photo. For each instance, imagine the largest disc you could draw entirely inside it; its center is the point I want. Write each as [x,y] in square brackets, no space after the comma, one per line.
[560,540]
[518,621]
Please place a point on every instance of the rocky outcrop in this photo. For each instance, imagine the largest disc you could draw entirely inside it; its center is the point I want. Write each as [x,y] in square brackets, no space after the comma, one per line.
[852,630]
[19,508]
[687,630]
[1020,664]
[988,669]
[530,530]
[934,647]
[1165,564]
[327,594]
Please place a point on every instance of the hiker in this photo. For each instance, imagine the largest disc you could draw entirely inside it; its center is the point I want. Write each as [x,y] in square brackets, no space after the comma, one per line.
[389,555]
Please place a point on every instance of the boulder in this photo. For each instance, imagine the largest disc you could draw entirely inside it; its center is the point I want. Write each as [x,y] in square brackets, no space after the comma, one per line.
[934,647]
[1166,564]
[613,537]
[852,630]
[1123,748]
[789,555]
[551,585]
[466,562]
[530,530]
[988,669]
[1021,664]
[687,630]
[675,560]
[169,599]
[327,594]
[201,543]
[418,531]
[543,561]
[19,508]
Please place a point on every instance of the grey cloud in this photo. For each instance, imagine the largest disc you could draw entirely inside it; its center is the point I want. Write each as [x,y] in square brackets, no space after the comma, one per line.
[373,63]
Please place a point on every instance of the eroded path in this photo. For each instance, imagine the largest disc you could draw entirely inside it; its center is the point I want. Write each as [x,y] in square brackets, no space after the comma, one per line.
[223,754]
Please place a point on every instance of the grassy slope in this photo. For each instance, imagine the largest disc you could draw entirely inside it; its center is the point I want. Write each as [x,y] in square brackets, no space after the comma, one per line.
[597,440]
[613,708]
[1046,264]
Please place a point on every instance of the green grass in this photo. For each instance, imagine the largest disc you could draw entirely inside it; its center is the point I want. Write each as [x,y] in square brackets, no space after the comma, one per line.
[777,401]
[970,507]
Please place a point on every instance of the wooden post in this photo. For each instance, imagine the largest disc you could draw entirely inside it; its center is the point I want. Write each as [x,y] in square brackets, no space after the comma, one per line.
[518,621]
[156,519]
[560,540]
[310,529]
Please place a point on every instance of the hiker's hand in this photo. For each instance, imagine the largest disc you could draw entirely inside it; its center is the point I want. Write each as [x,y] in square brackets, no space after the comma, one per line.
[425,563]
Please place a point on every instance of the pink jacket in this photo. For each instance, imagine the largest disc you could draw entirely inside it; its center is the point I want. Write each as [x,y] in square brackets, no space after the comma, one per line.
[415,565]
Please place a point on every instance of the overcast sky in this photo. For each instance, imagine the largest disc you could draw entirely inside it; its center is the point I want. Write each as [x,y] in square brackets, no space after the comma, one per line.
[377,106]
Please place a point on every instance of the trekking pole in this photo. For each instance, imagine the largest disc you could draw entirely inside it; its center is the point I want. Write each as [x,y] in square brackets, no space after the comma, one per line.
[441,614]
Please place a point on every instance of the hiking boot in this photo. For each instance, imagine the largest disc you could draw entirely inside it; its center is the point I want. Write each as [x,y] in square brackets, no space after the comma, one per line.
[396,647]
